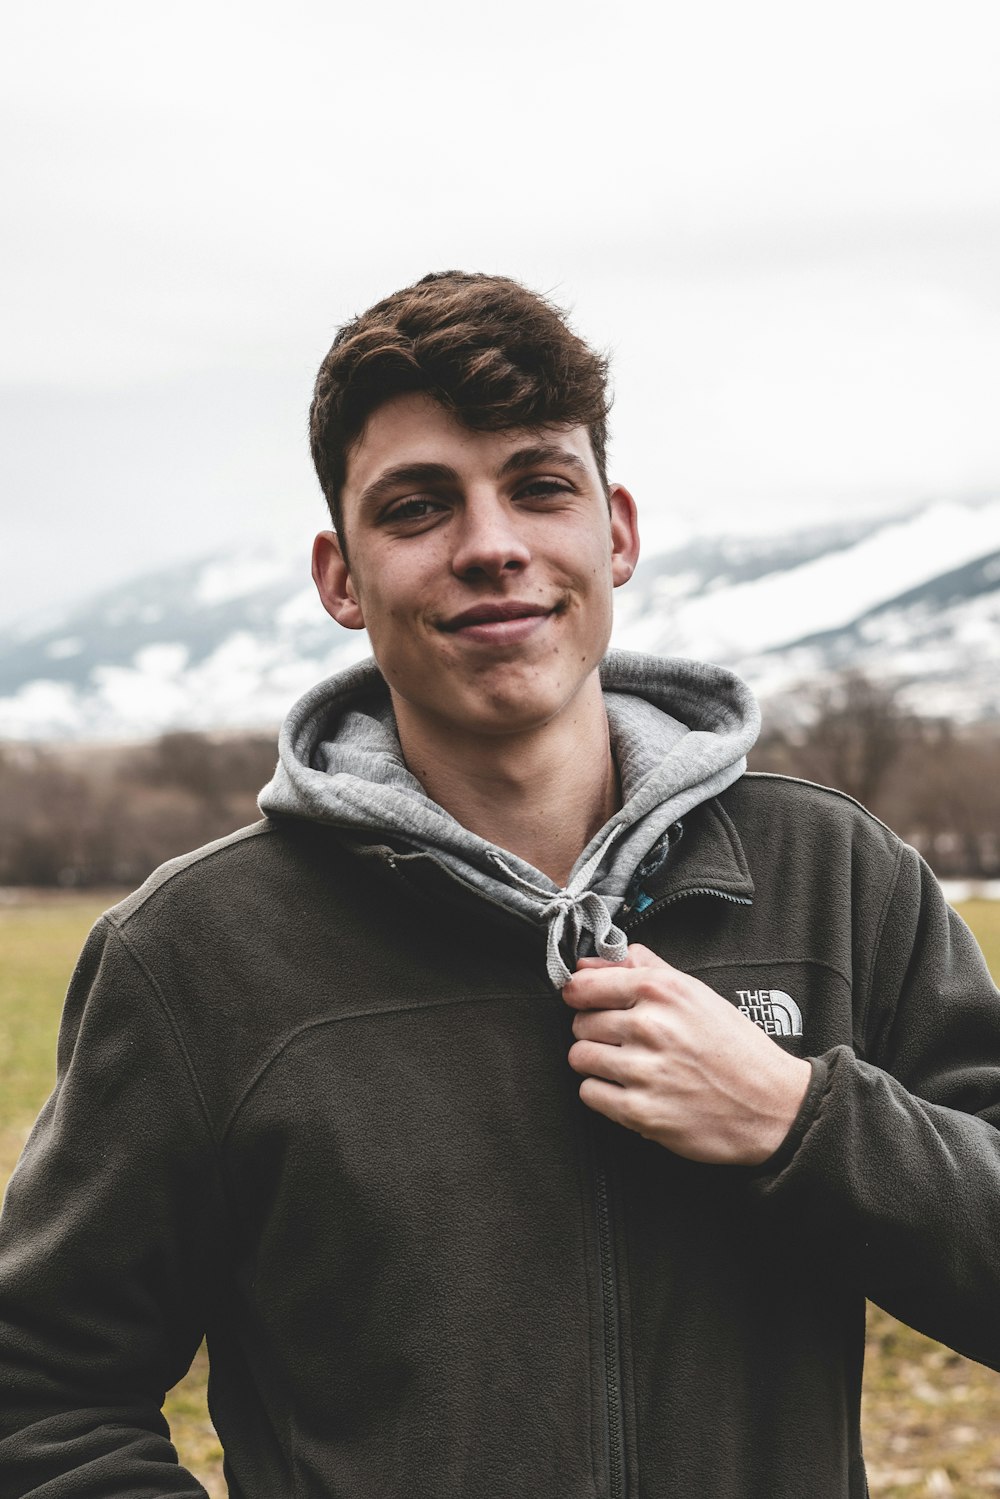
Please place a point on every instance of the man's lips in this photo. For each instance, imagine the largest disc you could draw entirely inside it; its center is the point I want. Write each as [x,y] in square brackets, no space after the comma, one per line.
[496,613]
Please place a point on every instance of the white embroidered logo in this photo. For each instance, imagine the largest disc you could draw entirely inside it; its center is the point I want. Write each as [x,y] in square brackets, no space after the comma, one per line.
[772,1009]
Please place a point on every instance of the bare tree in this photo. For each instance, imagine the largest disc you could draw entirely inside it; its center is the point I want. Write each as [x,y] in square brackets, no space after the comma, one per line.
[849,732]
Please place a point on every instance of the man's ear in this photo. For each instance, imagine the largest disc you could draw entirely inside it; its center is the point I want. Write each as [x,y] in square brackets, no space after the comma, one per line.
[624,534]
[333,582]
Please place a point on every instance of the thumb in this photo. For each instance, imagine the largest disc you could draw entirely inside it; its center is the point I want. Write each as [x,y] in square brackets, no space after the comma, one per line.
[641,957]
[637,956]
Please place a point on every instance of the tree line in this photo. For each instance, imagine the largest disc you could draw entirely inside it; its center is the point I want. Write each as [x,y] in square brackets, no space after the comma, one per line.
[108,815]
[934,782]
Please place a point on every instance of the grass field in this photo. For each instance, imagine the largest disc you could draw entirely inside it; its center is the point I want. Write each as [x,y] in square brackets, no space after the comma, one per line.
[931,1418]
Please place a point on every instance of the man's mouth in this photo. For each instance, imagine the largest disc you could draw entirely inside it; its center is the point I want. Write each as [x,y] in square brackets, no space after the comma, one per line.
[498,612]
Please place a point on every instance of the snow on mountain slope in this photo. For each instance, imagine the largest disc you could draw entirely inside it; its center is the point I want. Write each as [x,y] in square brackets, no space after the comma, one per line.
[823,593]
[231,641]
[228,642]
[939,643]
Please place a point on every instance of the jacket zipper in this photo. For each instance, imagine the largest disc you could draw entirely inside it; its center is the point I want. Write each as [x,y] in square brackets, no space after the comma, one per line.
[612,1361]
[606,1255]
[668,900]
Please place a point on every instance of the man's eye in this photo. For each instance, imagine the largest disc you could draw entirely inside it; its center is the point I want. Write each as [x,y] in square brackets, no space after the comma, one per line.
[542,488]
[414,509]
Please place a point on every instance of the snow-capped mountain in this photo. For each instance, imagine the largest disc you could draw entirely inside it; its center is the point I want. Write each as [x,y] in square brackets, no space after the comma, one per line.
[913,601]
[231,641]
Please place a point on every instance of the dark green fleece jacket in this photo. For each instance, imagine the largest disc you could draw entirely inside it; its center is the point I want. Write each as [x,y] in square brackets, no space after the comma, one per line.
[316,1103]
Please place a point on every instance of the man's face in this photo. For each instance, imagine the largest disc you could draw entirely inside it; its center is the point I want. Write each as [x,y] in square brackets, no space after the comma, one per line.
[481,564]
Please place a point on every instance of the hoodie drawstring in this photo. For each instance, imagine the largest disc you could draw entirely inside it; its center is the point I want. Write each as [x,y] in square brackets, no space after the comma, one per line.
[574,912]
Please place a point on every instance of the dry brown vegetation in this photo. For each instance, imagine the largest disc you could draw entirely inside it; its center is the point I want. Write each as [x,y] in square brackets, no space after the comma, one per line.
[935,783]
[109,814]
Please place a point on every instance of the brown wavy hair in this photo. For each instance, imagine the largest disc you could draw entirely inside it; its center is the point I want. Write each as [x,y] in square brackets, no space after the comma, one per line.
[489,350]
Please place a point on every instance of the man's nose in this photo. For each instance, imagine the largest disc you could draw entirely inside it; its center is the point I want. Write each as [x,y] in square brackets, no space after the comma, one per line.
[489,541]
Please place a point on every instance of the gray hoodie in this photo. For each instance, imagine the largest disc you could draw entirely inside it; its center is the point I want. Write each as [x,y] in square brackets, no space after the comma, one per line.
[680,732]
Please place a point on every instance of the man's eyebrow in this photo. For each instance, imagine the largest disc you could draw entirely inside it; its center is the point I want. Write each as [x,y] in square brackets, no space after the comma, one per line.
[389,482]
[539,456]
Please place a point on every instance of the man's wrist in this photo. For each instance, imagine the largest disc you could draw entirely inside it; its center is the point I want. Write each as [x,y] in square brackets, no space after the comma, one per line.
[785,1096]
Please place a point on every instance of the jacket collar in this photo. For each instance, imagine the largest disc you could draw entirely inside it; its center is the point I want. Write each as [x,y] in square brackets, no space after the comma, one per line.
[709,856]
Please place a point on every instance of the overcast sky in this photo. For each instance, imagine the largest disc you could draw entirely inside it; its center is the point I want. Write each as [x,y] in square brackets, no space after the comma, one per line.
[784,219]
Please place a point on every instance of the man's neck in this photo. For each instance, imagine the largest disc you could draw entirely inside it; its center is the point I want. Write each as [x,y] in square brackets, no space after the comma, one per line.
[540,795]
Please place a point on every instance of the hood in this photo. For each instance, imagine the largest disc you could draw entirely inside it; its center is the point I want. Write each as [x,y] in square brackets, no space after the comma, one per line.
[680,732]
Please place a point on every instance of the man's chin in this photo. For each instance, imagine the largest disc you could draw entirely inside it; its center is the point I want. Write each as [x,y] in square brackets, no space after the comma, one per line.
[505,700]
[512,716]
[493,717]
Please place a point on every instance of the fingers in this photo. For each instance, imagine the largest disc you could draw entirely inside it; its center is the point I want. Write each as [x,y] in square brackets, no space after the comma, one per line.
[636,956]
[598,1049]
[641,957]
[592,1059]
[604,986]
[608,1026]
[600,989]
[606,1098]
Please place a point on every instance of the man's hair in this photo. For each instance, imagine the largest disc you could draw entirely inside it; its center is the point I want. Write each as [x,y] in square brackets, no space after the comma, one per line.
[487,349]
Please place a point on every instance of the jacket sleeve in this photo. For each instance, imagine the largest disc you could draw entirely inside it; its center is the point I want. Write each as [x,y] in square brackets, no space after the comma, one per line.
[105,1248]
[893,1168]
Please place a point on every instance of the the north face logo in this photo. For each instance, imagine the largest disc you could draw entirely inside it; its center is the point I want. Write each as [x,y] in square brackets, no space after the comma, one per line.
[772,1009]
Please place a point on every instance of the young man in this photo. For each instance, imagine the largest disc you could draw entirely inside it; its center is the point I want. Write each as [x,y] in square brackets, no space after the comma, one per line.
[528,1104]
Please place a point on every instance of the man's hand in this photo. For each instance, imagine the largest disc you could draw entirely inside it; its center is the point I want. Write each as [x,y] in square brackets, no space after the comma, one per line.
[666,1056]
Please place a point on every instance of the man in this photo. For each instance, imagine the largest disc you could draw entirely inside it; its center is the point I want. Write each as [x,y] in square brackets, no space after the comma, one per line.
[528,1103]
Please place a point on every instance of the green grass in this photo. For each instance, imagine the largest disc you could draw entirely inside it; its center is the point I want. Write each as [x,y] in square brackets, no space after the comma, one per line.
[39,943]
[983,916]
[930,1417]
